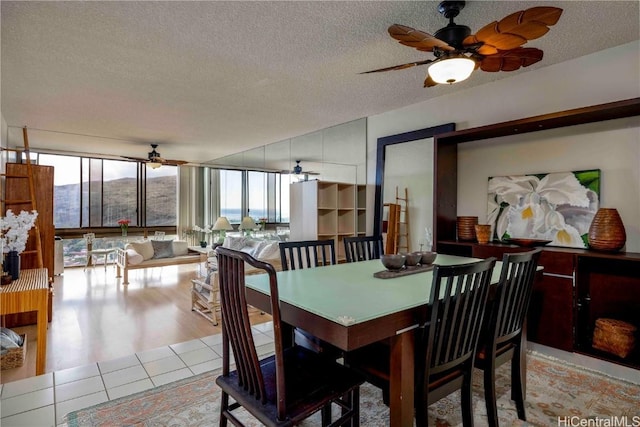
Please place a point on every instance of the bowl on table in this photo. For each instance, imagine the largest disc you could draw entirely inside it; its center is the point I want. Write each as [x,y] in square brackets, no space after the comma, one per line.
[412,259]
[393,262]
[427,257]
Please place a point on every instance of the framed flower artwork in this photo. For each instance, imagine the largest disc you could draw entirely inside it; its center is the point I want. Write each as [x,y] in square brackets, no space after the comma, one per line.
[557,206]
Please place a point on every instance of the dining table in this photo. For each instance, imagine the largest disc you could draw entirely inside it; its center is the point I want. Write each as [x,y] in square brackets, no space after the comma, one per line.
[346,306]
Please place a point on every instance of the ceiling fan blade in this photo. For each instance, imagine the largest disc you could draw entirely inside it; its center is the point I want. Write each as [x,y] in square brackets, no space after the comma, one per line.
[138,159]
[417,39]
[511,60]
[174,162]
[400,67]
[515,30]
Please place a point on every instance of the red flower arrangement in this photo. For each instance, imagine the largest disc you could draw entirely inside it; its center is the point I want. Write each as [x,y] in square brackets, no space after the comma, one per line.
[124,223]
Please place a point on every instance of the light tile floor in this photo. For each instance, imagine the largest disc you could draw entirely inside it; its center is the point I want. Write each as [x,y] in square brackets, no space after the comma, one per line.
[45,400]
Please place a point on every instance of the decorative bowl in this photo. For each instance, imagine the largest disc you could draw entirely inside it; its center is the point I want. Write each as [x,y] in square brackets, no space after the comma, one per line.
[427,257]
[392,261]
[412,258]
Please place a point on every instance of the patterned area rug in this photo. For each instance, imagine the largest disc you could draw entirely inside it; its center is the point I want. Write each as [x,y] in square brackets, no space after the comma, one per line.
[554,389]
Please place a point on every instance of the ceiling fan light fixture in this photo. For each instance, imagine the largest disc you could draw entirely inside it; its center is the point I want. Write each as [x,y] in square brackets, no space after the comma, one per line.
[451,70]
[154,165]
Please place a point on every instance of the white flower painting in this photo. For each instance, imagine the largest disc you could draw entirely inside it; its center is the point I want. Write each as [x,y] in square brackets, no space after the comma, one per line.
[555,206]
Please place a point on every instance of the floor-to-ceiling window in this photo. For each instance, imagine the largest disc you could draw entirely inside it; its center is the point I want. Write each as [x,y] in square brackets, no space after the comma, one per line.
[93,194]
[256,194]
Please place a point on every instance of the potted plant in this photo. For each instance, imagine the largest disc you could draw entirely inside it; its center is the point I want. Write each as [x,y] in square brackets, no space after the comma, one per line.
[15,232]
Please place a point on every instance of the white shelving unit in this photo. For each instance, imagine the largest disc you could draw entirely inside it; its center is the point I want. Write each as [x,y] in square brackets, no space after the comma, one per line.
[327,210]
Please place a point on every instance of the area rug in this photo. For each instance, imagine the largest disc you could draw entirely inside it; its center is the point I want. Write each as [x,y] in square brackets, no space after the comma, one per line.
[556,391]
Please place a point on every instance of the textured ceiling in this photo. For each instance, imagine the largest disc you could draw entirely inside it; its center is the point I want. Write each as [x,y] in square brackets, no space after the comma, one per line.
[208,79]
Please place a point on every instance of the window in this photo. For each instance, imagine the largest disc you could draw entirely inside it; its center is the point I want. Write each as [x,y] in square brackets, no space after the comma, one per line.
[66,190]
[161,196]
[257,194]
[119,183]
[231,195]
[92,192]
[254,193]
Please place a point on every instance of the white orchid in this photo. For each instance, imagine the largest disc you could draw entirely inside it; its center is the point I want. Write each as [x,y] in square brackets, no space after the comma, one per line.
[15,230]
[556,207]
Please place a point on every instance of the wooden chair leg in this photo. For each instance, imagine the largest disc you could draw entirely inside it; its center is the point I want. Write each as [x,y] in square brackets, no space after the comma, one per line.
[325,413]
[519,381]
[467,400]
[490,394]
[224,405]
[355,406]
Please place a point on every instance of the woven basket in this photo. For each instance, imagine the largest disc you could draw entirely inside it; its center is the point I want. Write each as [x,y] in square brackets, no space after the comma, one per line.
[614,336]
[606,232]
[466,226]
[14,358]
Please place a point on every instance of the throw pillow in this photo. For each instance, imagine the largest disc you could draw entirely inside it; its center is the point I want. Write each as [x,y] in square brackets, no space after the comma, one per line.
[144,248]
[180,247]
[162,248]
[233,242]
[270,251]
[133,257]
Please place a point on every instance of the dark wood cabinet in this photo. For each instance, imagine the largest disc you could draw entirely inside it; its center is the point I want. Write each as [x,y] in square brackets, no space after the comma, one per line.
[577,287]
[551,313]
[607,286]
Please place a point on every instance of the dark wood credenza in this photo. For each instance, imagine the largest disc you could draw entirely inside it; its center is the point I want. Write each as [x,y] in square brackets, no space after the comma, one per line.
[578,287]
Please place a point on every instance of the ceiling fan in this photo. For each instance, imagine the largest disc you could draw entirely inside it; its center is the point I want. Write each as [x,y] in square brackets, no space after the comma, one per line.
[154,160]
[297,170]
[495,47]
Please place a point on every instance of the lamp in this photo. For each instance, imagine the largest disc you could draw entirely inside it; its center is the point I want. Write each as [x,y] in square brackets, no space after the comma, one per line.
[222,225]
[452,69]
[154,165]
[247,224]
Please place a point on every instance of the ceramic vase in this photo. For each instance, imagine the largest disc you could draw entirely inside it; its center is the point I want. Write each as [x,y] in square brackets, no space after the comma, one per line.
[12,264]
[607,232]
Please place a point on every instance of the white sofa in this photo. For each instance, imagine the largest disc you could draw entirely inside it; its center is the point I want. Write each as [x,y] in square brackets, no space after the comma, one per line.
[153,253]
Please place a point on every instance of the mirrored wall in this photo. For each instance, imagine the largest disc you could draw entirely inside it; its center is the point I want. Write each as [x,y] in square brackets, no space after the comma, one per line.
[336,154]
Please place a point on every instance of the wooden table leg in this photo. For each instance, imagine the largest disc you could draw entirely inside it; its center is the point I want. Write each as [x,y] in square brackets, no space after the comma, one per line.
[42,317]
[401,387]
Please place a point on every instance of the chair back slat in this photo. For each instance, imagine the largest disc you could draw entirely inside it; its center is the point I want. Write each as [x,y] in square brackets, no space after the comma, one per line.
[513,294]
[236,326]
[363,248]
[458,300]
[307,254]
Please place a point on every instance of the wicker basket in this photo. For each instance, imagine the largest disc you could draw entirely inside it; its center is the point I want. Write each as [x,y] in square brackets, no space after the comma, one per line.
[466,227]
[15,357]
[614,336]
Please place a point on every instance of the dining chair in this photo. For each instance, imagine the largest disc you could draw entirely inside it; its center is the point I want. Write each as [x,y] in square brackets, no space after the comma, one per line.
[362,248]
[158,235]
[307,253]
[287,387]
[503,338]
[445,345]
[94,253]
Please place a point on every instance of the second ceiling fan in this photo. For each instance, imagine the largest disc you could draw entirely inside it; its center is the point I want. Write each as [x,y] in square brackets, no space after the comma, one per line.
[495,47]
[154,160]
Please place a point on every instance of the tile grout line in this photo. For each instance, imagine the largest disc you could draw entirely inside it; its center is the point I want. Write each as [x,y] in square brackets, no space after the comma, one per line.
[101,374]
